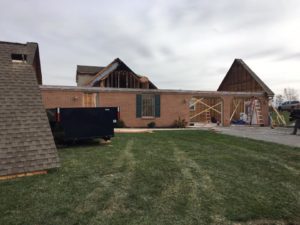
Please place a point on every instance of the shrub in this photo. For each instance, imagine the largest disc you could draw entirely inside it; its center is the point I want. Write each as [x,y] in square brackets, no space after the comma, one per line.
[151,125]
[120,124]
[180,123]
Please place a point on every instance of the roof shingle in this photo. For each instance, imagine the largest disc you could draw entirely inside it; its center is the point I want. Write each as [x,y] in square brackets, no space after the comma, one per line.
[26,141]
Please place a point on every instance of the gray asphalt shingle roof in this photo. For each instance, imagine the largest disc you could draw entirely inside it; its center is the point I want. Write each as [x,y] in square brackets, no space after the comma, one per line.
[26,141]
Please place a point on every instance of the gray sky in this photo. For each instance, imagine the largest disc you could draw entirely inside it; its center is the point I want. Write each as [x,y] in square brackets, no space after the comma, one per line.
[178,44]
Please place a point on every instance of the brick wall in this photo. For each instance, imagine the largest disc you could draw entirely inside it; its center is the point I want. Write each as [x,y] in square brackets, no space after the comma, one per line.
[62,98]
[172,105]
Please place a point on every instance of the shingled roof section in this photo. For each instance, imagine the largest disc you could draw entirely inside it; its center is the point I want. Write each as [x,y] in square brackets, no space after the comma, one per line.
[26,141]
[87,70]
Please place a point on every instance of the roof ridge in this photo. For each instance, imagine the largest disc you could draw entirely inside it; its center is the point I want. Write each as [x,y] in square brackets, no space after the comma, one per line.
[17,43]
[90,66]
[12,43]
[256,77]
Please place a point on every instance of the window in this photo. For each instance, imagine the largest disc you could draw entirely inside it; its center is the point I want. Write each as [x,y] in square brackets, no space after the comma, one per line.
[192,104]
[18,58]
[148,106]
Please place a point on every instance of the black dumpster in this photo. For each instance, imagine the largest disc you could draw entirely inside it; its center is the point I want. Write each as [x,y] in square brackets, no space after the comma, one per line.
[82,123]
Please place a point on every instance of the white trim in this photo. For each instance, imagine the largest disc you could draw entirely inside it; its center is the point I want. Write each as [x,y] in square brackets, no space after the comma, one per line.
[174,91]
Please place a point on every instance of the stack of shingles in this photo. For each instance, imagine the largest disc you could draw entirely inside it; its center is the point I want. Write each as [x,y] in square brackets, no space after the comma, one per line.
[26,141]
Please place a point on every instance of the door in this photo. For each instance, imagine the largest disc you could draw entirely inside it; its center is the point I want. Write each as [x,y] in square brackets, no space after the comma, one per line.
[89,100]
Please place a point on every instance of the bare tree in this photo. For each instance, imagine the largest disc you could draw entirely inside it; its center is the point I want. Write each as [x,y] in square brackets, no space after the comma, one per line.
[290,94]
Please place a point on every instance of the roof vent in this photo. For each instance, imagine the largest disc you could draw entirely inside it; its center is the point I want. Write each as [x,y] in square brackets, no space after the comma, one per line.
[19,58]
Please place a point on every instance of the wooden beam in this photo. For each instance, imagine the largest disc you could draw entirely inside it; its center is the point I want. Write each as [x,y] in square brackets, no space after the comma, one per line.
[133,83]
[212,107]
[194,103]
[236,106]
[112,80]
[7,177]
[209,107]
[278,115]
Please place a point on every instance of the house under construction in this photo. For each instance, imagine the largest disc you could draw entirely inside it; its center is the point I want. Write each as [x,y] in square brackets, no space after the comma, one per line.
[241,96]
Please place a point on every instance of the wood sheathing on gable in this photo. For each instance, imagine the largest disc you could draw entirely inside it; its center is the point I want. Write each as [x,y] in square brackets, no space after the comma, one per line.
[240,78]
[26,141]
[85,73]
[115,75]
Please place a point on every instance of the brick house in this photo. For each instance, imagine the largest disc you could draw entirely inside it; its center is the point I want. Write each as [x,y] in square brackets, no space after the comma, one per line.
[26,142]
[141,102]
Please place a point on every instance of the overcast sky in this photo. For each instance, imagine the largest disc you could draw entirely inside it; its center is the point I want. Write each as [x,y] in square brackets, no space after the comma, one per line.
[178,44]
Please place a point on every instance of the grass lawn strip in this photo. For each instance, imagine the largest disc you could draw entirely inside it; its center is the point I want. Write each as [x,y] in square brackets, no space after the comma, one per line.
[170,177]
[201,181]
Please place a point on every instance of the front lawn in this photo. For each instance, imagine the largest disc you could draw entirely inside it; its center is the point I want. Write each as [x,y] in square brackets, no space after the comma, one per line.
[167,177]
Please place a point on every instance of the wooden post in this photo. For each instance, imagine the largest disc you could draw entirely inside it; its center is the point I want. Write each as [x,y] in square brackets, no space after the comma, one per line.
[114,80]
[130,81]
[236,107]
[27,174]
[226,109]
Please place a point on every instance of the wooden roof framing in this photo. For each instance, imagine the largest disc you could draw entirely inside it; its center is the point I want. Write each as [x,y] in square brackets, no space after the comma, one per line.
[111,68]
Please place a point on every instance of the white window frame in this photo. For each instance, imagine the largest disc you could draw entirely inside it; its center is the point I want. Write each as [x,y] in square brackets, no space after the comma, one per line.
[148,106]
[192,105]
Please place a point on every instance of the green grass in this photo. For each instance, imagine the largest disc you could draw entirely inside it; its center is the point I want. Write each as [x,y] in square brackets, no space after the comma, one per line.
[174,177]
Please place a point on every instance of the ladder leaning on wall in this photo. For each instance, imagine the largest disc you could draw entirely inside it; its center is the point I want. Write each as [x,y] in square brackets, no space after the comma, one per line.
[256,110]
[207,116]
[259,116]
